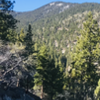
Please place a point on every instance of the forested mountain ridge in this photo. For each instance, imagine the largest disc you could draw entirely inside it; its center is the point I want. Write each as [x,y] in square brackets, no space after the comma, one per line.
[44,11]
[55,8]
[56,57]
[58,30]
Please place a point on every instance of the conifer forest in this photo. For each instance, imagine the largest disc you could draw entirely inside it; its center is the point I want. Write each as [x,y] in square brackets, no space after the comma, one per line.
[51,53]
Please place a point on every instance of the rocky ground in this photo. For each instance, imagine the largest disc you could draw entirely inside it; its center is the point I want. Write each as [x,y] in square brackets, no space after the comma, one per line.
[16,93]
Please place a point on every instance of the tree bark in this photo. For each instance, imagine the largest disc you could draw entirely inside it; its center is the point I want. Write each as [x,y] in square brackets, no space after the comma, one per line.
[18,82]
[41,92]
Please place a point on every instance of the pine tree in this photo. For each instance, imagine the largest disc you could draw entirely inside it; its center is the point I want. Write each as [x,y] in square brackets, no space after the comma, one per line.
[29,42]
[48,77]
[6,5]
[7,21]
[87,53]
[27,54]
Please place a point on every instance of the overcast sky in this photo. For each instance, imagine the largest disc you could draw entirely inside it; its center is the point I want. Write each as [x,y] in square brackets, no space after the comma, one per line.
[29,5]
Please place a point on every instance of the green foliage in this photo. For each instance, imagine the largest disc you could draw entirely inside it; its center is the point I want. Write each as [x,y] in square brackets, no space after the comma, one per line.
[6,5]
[30,56]
[62,27]
[29,42]
[21,36]
[7,21]
[48,75]
[87,53]
[16,64]
[97,91]
[58,31]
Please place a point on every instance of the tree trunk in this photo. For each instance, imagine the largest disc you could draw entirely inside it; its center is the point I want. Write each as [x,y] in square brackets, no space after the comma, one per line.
[18,82]
[27,85]
[41,92]
[51,97]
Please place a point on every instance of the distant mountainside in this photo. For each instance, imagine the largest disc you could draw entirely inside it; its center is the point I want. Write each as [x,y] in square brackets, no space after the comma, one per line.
[45,11]
[57,24]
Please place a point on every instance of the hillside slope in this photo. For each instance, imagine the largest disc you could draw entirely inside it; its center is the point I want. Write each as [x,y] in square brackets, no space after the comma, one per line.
[59,30]
[42,12]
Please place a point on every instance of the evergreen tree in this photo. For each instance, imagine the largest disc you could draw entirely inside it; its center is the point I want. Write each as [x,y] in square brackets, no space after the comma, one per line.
[87,53]
[6,5]
[7,21]
[28,57]
[29,42]
[48,77]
